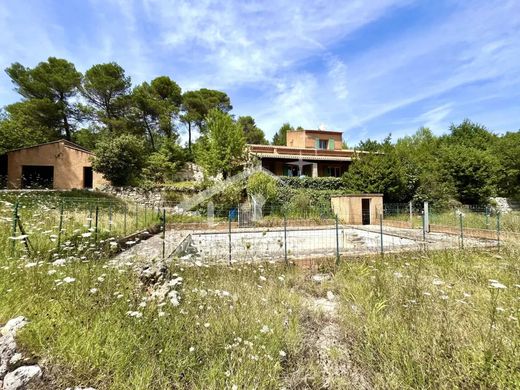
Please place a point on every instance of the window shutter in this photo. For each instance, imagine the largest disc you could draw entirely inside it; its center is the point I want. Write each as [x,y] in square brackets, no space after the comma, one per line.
[331,144]
[317,143]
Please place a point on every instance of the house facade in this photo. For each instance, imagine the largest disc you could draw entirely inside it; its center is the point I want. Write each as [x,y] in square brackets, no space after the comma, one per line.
[55,165]
[314,153]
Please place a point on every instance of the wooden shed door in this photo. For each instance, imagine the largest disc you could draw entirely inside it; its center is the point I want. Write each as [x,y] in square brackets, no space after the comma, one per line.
[365,211]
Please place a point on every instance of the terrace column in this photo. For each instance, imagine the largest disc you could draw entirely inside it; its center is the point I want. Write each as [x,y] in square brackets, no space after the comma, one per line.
[314,169]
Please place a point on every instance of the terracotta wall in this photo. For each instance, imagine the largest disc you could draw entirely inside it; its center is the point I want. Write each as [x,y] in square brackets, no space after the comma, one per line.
[68,163]
[306,139]
[348,208]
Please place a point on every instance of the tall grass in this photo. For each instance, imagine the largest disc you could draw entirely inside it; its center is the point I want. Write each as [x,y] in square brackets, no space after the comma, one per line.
[435,321]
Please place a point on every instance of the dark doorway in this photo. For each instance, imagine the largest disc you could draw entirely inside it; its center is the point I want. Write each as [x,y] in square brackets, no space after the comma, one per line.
[87,177]
[37,176]
[3,171]
[365,211]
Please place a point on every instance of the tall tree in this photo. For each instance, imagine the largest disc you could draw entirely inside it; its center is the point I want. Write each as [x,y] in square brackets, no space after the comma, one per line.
[155,105]
[107,88]
[197,104]
[221,150]
[252,134]
[49,86]
[280,138]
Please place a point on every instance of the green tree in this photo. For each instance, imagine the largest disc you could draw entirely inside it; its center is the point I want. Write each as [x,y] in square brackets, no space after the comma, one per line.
[377,173]
[155,106]
[162,165]
[280,138]
[49,87]
[471,135]
[474,172]
[120,159]
[106,88]
[197,104]
[507,150]
[222,149]
[252,134]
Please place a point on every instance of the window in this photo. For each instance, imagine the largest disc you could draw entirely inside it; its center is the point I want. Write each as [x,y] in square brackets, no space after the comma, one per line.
[322,144]
[333,172]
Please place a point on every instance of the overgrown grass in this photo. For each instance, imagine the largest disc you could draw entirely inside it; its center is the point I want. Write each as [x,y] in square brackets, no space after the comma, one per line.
[228,329]
[434,321]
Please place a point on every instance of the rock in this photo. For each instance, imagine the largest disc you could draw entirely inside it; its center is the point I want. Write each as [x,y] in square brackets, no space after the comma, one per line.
[7,351]
[154,273]
[320,278]
[21,377]
[14,325]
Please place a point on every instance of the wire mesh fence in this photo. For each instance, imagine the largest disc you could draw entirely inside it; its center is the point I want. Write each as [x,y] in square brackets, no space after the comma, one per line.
[274,234]
[49,225]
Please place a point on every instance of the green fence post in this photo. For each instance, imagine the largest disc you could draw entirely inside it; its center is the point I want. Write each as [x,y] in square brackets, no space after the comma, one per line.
[487,217]
[60,226]
[337,240]
[90,216]
[498,230]
[285,238]
[96,224]
[163,232]
[381,232]
[124,219]
[461,231]
[229,233]
[15,224]
[110,217]
[136,216]
[423,227]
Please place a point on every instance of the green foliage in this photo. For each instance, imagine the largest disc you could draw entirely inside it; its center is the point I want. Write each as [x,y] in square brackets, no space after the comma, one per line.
[262,184]
[377,173]
[280,138]
[252,134]
[49,88]
[314,183]
[473,171]
[222,150]
[507,150]
[161,166]
[196,106]
[120,159]
[107,88]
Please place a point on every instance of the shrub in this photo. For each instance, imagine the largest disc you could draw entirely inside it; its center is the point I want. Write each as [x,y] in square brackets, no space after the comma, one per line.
[120,159]
[260,183]
[314,183]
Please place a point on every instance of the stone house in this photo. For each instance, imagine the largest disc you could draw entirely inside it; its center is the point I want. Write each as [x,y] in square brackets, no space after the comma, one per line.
[55,165]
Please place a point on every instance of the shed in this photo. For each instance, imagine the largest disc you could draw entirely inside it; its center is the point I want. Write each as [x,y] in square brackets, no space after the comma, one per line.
[358,209]
[59,164]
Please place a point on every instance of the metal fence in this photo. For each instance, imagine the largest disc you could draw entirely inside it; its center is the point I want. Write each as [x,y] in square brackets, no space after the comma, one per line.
[243,234]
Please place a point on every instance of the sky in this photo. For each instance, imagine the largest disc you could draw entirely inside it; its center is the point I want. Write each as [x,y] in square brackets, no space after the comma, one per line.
[367,68]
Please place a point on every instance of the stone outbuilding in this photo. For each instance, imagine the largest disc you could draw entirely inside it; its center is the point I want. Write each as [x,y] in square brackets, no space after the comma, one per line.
[55,165]
[358,209]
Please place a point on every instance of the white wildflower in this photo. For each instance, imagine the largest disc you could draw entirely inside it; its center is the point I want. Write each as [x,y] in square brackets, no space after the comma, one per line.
[437,282]
[93,290]
[262,278]
[265,329]
[31,265]
[206,325]
[51,272]
[192,349]
[69,279]
[496,284]
[282,354]
[135,314]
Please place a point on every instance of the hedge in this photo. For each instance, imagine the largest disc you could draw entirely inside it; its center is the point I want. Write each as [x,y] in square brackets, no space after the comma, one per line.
[313,183]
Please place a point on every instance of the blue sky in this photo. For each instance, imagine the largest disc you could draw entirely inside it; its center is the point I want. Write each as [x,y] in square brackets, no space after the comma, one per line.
[367,68]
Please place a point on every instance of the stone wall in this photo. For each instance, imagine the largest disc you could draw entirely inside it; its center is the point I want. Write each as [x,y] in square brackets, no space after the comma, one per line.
[154,196]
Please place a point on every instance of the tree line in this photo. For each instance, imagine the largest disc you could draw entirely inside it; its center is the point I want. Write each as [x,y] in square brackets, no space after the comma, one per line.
[468,164]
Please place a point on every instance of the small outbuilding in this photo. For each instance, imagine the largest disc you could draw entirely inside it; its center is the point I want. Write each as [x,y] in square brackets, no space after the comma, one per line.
[58,165]
[358,209]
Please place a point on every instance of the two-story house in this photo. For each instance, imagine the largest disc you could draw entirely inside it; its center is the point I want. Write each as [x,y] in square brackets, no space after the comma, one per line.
[314,153]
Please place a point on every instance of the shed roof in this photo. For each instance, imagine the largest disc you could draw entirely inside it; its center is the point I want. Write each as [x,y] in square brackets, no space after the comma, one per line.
[67,143]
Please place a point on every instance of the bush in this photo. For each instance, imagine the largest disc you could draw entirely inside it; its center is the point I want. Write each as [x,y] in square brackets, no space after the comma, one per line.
[120,159]
[314,183]
[262,184]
